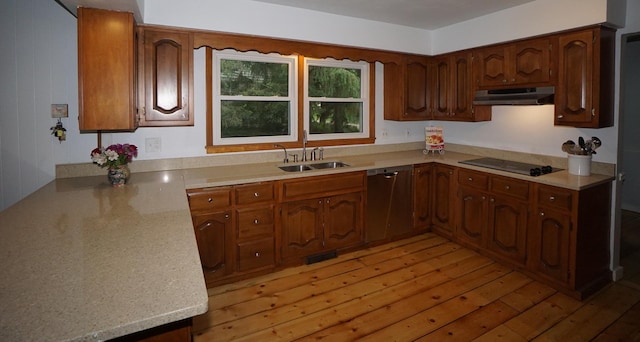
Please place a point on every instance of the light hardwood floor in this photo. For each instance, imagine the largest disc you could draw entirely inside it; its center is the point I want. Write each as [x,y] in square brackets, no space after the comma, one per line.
[424,288]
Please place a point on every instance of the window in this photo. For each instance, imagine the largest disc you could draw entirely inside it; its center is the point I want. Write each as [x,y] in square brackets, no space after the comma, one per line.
[336,102]
[257,100]
[254,98]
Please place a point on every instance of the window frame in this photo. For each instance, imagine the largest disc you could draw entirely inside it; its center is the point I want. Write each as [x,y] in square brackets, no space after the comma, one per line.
[218,98]
[364,98]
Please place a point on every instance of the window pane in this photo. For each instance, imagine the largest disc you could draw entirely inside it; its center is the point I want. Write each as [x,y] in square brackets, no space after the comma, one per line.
[334,82]
[248,78]
[254,118]
[335,117]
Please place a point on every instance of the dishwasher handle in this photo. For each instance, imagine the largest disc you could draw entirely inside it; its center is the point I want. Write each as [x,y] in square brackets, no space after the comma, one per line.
[390,175]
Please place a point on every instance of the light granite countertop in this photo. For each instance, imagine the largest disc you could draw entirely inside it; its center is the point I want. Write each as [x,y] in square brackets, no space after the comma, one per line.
[83,261]
[236,174]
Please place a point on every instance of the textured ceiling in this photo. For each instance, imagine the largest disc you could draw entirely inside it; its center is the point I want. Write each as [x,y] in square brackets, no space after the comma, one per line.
[425,14]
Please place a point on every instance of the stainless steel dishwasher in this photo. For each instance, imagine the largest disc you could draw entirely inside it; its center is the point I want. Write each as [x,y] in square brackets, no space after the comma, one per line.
[389,202]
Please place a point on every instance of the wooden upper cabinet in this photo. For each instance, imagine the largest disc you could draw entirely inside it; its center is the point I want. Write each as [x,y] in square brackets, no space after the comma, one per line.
[405,89]
[522,64]
[106,70]
[584,95]
[166,73]
[451,89]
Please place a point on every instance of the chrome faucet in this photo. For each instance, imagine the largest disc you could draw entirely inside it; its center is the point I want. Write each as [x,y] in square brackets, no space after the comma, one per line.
[304,145]
[286,156]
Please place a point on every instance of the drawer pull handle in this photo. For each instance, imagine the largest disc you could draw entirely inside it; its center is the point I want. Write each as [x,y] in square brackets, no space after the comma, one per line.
[255,221]
[552,198]
[257,254]
[209,199]
[255,194]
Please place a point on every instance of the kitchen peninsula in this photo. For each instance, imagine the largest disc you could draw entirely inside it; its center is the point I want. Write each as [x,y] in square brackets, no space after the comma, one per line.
[84,261]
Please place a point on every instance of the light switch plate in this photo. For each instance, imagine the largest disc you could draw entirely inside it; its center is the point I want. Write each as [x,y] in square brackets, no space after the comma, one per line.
[59,110]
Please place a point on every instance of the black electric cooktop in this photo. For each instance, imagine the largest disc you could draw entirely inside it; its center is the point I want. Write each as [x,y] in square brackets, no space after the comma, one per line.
[511,166]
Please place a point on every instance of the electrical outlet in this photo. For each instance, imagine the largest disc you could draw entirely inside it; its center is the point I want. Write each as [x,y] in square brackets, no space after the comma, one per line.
[153,145]
[385,132]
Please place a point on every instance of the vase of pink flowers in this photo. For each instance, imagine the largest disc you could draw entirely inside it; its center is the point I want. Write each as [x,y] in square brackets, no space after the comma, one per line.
[115,158]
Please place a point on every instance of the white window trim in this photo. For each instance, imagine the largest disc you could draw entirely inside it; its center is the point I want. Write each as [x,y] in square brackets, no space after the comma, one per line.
[218,98]
[364,97]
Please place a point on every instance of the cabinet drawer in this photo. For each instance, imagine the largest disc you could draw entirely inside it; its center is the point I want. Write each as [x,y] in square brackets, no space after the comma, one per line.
[473,179]
[511,187]
[254,193]
[255,222]
[555,197]
[255,254]
[209,199]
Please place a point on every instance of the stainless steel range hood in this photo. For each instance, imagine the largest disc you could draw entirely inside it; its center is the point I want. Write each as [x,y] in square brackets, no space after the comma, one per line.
[515,96]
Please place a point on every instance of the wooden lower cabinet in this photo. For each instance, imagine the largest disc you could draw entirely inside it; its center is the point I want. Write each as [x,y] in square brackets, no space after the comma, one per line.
[320,214]
[493,215]
[235,230]
[569,238]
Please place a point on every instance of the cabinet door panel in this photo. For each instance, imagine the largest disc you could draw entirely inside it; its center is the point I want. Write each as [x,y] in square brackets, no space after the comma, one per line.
[532,62]
[417,106]
[493,66]
[212,231]
[301,228]
[507,233]
[422,196]
[440,87]
[470,227]
[168,59]
[551,245]
[343,220]
[106,79]
[575,65]
[444,198]
[462,87]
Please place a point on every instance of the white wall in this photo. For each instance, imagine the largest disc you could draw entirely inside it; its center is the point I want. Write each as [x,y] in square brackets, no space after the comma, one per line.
[39,65]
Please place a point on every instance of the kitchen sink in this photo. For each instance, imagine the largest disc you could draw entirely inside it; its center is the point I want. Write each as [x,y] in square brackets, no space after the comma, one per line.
[294,168]
[314,166]
[328,165]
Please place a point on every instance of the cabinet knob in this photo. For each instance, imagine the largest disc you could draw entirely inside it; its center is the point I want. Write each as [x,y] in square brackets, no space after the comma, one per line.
[483,198]
[255,194]
[513,80]
[209,199]
[506,187]
[226,216]
[560,116]
[504,81]
[492,199]
[257,254]
[470,179]
[450,172]
[552,198]
[255,221]
[542,213]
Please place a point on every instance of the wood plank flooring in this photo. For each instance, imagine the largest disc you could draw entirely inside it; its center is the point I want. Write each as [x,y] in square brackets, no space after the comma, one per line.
[425,288]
